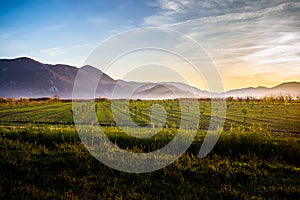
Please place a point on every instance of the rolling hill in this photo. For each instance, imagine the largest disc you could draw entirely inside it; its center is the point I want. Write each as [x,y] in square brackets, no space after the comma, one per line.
[291,88]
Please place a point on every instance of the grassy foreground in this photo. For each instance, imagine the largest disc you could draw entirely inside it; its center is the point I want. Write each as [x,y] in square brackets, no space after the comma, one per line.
[51,163]
[48,161]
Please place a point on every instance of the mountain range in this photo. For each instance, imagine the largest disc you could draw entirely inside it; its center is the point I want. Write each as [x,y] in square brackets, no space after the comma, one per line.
[25,77]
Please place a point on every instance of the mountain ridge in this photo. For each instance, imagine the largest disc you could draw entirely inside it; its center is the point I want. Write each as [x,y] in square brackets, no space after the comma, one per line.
[26,77]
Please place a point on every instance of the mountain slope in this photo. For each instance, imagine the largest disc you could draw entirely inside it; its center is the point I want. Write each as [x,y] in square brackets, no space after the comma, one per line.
[25,77]
[290,88]
[162,91]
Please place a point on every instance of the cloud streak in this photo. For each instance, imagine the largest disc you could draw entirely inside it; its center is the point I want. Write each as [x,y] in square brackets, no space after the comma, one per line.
[53,51]
[242,37]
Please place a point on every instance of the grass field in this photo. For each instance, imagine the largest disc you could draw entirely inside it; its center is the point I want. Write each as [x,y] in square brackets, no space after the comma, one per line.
[257,155]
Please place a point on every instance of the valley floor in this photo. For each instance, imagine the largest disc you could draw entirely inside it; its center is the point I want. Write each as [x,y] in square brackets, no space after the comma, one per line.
[42,156]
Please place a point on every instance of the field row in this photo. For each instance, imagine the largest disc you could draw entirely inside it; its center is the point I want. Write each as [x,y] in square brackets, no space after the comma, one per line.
[282,118]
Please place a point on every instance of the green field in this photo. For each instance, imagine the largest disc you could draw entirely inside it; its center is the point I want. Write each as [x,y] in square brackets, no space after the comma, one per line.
[257,155]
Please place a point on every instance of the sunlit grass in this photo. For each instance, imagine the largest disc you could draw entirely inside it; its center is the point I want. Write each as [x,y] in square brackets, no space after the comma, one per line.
[43,160]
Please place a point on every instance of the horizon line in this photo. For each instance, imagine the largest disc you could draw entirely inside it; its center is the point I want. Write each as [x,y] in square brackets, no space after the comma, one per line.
[77,67]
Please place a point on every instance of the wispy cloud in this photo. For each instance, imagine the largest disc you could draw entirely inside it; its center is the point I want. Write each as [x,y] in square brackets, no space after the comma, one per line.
[285,54]
[14,46]
[83,46]
[248,40]
[53,51]
[177,10]
[242,36]
[74,54]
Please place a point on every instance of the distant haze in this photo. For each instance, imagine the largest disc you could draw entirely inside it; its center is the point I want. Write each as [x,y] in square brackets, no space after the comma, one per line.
[252,42]
[25,77]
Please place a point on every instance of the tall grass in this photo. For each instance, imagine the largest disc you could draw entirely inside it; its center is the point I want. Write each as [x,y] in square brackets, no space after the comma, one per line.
[249,161]
[49,162]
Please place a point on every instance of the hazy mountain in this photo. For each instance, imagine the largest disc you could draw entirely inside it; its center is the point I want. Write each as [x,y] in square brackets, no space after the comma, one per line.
[291,88]
[25,77]
[162,91]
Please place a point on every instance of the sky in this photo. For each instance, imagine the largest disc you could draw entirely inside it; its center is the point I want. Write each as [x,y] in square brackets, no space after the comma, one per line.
[251,42]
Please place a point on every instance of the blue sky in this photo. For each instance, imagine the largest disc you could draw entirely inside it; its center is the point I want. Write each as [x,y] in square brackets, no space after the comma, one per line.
[252,42]
[61,31]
